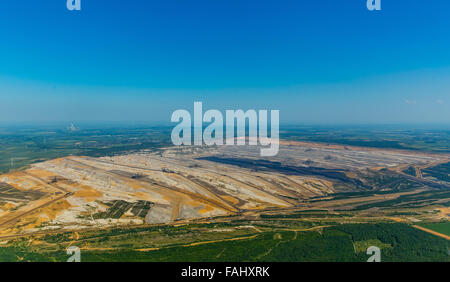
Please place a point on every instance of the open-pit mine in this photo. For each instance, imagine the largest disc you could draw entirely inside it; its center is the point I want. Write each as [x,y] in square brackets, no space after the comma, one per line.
[176,185]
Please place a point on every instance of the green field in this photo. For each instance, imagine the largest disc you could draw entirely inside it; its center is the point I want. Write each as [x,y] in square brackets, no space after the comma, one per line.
[383,136]
[21,146]
[441,227]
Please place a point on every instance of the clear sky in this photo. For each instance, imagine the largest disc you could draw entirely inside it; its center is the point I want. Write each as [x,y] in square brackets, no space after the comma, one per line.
[317,61]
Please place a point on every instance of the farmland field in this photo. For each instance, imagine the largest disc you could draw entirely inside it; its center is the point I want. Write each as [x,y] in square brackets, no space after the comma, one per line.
[440,227]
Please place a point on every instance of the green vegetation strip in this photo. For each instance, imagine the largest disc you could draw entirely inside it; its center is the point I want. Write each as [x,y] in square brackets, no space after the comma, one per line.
[346,242]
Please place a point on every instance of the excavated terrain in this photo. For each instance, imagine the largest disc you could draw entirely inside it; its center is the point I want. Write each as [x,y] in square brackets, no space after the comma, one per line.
[179,184]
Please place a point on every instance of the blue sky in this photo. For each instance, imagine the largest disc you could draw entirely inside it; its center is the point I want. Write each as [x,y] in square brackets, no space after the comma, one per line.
[316,61]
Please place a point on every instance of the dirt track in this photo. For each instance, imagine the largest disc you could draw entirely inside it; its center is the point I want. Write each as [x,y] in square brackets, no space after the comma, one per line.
[432,232]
